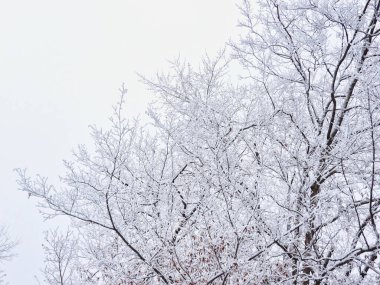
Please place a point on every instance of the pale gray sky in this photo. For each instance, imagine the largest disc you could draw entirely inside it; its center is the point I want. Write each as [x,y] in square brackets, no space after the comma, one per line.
[61,64]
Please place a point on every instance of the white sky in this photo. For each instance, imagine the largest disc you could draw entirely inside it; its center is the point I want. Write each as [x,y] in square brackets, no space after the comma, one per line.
[61,64]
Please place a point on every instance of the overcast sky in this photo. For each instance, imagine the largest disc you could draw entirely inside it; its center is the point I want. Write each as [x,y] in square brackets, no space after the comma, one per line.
[61,64]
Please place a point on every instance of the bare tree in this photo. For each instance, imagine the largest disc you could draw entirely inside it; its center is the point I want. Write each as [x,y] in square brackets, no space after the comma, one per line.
[60,258]
[270,179]
[6,250]
[316,66]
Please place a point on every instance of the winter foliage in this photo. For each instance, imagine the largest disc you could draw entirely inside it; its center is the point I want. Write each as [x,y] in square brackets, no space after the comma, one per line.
[269,179]
[6,251]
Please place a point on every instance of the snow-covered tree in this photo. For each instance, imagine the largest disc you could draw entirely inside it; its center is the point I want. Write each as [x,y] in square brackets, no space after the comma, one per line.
[6,250]
[315,65]
[272,178]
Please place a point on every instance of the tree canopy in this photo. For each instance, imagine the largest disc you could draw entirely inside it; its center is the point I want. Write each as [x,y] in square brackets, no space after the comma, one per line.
[271,178]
